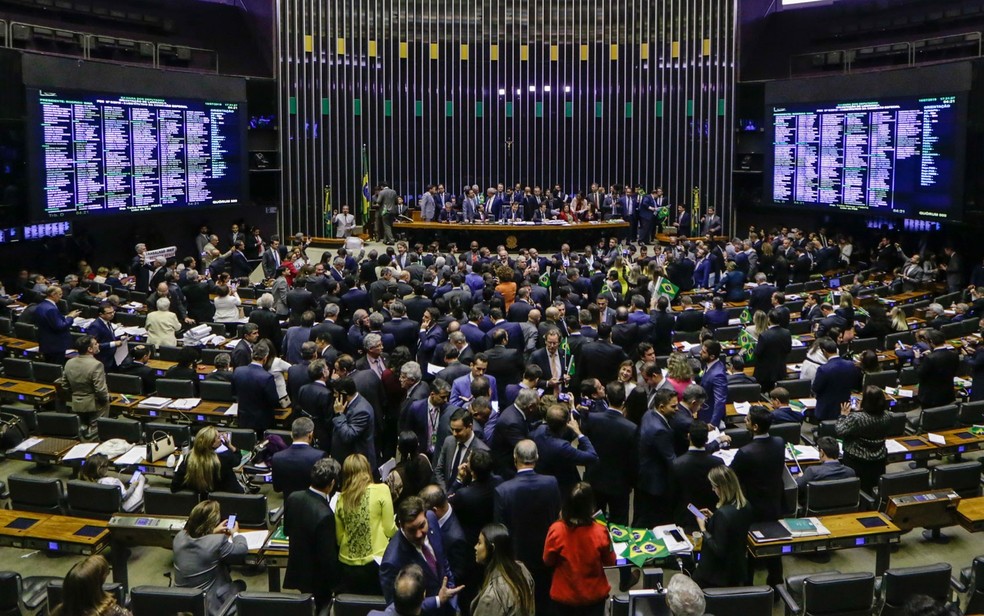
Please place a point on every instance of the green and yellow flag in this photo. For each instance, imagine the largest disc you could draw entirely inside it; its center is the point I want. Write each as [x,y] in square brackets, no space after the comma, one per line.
[327,212]
[366,189]
[747,345]
[545,280]
[745,317]
[667,288]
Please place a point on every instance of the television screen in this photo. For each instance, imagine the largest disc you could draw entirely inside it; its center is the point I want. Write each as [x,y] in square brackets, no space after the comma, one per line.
[99,153]
[895,157]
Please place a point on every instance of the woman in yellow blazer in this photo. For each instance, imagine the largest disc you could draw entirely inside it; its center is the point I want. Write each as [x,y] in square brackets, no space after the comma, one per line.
[363,525]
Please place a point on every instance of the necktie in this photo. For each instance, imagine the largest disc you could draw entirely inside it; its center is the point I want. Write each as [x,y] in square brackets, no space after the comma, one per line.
[429,557]
[554,365]
[377,367]
[456,461]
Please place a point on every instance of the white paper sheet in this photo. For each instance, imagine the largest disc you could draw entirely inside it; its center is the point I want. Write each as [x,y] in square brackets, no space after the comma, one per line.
[185,404]
[255,539]
[27,444]
[120,354]
[742,408]
[155,402]
[728,455]
[893,446]
[936,439]
[134,456]
[233,409]
[387,467]
[809,403]
[433,368]
[80,451]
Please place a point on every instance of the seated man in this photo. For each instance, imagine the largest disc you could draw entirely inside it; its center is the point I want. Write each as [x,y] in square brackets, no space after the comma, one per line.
[830,466]
[781,411]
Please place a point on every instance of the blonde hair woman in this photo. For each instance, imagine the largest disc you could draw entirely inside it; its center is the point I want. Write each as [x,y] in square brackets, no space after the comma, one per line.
[760,323]
[898,319]
[206,469]
[363,526]
[722,560]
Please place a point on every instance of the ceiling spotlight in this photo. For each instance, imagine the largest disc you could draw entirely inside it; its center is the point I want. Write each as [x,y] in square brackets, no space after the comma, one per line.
[532,88]
[518,91]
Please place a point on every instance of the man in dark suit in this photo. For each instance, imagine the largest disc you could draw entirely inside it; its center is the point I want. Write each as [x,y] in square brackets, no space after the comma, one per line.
[461,387]
[683,221]
[136,364]
[656,455]
[314,398]
[625,335]
[528,504]
[614,439]
[405,331]
[461,554]
[424,417]
[256,393]
[688,319]
[453,368]
[771,351]
[102,330]
[309,522]
[759,466]
[242,354]
[830,466]
[557,457]
[761,295]
[811,308]
[457,447]
[271,258]
[833,384]
[353,427]
[829,321]
[418,541]
[267,321]
[600,358]
[299,300]
[54,337]
[552,361]
[330,326]
[472,493]
[241,267]
[715,384]
[936,371]
[690,471]
[291,468]
[513,329]
[511,428]
[505,363]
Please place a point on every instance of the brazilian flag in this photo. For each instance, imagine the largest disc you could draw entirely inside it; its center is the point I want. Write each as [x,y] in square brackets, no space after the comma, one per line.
[745,317]
[830,298]
[545,280]
[746,344]
[667,288]
[861,312]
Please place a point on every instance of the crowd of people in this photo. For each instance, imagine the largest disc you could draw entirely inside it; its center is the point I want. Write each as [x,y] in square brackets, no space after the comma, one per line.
[491,379]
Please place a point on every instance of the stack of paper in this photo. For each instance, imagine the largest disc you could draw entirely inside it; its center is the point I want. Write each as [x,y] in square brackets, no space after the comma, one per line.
[893,446]
[233,409]
[255,539]
[804,527]
[156,402]
[134,456]
[185,404]
[728,455]
[231,344]
[80,451]
[742,408]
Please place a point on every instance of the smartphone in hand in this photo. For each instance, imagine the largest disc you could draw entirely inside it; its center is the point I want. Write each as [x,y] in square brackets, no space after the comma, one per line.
[694,510]
[231,524]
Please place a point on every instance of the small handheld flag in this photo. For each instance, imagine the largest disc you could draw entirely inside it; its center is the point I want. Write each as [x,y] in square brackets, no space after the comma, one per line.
[545,280]
[746,344]
[667,288]
[745,317]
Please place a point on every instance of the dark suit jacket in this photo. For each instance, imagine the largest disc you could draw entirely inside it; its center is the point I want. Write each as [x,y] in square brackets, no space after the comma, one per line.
[759,466]
[54,337]
[715,383]
[761,298]
[241,267]
[598,359]
[352,432]
[936,372]
[269,325]
[404,331]
[528,504]
[511,428]
[823,472]
[200,307]
[339,336]
[626,336]
[771,352]
[833,384]
[147,374]
[723,561]
[656,454]
[542,359]
[312,562]
[506,365]
[558,458]
[474,504]
[103,333]
[519,312]
[615,440]
[292,468]
[461,553]
[242,354]
[692,486]
[689,321]
[256,393]
[401,552]
[515,332]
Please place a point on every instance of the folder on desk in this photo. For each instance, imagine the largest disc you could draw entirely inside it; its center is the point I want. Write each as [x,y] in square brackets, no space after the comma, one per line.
[53,446]
[156,402]
[764,532]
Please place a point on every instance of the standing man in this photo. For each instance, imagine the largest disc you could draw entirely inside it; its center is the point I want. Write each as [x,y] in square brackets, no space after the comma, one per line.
[647,216]
[291,468]
[771,352]
[711,223]
[559,457]
[457,448]
[715,384]
[834,381]
[353,425]
[271,258]
[387,212]
[84,380]
[629,206]
[428,207]
[309,522]
[614,438]
[101,329]
[954,270]
[656,455]
[54,336]
[256,392]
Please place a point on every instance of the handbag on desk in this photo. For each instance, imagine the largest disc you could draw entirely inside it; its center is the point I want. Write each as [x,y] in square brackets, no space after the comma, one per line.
[161,445]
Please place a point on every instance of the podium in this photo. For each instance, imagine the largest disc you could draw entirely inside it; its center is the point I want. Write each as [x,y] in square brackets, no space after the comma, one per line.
[933,509]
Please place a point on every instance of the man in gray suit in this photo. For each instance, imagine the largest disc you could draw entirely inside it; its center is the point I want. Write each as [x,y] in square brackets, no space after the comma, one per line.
[711,223]
[456,448]
[84,379]
[468,207]
[428,207]
[386,198]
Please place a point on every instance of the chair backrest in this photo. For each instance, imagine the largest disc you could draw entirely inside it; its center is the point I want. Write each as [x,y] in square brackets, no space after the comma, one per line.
[5,326]
[129,430]
[124,384]
[833,496]
[93,500]
[797,388]
[840,594]
[250,509]
[265,603]
[164,601]
[908,376]
[952,330]
[971,413]
[827,427]
[127,319]
[648,602]
[181,433]
[904,337]
[47,373]
[216,391]
[18,368]
[209,355]
[357,605]
[691,337]
[246,292]
[30,416]
[896,424]
[10,592]
[751,392]
[66,425]
[883,378]
[739,601]
[789,432]
[175,388]
[723,334]
[797,355]
[242,438]
[939,418]
[56,590]
[168,353]
[902,482]
[25,331]
[975,604]
[284,434]
[798,328]
[795,288]
[138,296]
[898,585]
[864,344]
[739,437]
[161,501]
[37,494]
[963,477]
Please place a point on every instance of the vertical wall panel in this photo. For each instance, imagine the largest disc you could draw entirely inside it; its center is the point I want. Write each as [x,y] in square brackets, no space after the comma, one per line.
[538,92]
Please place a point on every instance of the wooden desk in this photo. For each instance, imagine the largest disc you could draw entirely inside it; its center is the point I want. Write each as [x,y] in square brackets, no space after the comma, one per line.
[512,233]
[908,297]
[664,238]
[17,347]
[970,514]
[38,394]
[916,448]
[54,533]
[56,446]
[846,531]
[162,366]
[207,412]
